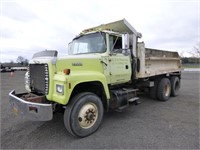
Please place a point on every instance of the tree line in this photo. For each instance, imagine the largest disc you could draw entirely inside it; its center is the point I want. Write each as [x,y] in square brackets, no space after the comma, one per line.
[23,61]
[190,60]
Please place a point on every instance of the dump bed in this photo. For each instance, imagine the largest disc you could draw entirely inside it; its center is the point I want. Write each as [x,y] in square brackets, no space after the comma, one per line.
[153,62]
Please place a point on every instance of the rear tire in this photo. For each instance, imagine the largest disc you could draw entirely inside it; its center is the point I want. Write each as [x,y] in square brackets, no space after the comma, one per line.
[164,89]
[153,90]
[175,86]
[83,114]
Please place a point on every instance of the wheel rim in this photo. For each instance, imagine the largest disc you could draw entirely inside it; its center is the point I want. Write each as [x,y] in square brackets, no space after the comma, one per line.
[88,115]
[167,89]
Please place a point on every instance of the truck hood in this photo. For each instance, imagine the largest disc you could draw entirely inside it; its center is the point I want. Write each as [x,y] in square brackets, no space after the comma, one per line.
[85,62]
[81,56]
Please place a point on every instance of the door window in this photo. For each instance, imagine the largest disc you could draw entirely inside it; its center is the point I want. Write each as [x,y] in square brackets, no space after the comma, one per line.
[115,44]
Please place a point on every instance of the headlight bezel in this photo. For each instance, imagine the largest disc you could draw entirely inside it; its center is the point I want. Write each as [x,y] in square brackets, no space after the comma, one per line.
[60,89]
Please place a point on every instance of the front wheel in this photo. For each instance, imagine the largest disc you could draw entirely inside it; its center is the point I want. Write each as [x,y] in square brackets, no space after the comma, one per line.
[83,114]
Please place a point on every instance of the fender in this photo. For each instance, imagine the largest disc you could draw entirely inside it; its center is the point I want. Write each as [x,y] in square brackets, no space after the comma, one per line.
[75,78]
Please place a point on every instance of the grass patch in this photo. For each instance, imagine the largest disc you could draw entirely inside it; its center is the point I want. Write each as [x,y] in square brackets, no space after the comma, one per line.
[190,66]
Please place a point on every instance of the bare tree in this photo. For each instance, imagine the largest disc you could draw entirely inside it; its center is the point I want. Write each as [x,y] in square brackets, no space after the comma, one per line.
[196,51]
[21,60]
[181,54]
[26,62]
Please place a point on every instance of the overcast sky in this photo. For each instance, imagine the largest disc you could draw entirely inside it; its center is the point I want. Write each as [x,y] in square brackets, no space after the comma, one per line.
[29,26]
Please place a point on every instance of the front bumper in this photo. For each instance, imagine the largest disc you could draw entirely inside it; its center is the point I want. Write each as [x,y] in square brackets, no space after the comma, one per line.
[30,110]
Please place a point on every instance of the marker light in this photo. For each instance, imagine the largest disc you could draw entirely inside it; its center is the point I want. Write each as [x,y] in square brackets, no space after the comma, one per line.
[66,71]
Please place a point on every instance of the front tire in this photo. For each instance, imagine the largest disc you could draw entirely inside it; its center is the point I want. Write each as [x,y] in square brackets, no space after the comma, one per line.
[83,114]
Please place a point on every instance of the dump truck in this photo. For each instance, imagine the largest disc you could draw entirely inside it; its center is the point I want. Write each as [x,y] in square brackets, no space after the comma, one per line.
[106,68]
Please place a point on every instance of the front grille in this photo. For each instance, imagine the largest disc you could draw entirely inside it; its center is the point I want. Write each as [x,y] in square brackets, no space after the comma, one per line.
[39,78]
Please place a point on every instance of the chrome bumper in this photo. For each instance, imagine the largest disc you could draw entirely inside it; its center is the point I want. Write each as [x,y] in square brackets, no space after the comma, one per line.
[30,110]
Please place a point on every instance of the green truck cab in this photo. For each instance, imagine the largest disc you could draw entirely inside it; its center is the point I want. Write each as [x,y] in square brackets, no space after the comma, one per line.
[104,69]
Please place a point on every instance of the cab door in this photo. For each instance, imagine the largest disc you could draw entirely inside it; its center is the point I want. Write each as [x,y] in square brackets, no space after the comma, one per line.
[119,60]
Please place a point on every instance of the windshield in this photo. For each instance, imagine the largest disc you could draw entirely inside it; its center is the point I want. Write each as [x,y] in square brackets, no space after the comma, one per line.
[91,43]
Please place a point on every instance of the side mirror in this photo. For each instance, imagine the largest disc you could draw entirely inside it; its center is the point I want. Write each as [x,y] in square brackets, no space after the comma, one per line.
[125,41]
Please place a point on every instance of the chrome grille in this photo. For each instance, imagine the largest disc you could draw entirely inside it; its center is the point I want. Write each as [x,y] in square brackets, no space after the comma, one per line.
[39,78]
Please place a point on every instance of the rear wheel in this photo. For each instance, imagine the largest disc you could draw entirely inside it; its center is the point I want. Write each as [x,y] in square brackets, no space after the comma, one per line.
[153,90]
[175,84]
[83,115]
[164,89]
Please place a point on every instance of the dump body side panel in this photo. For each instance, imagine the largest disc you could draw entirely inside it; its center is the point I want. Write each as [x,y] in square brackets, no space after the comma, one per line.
[154,62]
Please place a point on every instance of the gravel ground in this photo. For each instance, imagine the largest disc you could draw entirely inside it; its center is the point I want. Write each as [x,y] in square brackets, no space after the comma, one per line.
[151,125]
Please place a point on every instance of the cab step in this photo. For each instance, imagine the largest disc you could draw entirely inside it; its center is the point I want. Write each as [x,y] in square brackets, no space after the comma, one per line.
[133,99]
[122,97]
[119,109]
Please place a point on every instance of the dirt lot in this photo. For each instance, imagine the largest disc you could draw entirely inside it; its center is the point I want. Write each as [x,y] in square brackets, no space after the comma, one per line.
[151,125]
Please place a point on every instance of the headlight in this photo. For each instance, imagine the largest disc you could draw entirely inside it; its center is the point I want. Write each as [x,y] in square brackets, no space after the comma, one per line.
[60,89]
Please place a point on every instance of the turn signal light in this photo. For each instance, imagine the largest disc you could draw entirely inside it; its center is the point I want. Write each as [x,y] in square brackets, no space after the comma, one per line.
[66,71]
